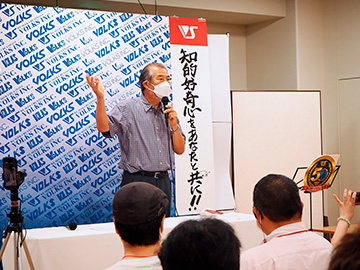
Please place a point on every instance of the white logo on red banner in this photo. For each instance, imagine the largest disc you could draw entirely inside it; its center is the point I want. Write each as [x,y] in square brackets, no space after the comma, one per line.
[188,31]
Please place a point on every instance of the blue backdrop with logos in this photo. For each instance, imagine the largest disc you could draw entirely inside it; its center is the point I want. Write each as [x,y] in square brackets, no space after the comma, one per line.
[47,110]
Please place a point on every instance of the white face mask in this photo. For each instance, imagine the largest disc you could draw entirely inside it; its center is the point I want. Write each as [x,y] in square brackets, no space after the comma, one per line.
[162,90]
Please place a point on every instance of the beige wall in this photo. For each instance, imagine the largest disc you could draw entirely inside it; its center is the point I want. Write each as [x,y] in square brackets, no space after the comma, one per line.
[316,47]
[310,44]
[271,53]
[328,59]
[342,60]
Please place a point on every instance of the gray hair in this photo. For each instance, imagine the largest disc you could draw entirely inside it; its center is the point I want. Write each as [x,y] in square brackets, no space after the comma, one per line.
[147,74]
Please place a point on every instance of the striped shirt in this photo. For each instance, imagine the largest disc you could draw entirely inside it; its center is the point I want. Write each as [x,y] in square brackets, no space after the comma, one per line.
[142,134]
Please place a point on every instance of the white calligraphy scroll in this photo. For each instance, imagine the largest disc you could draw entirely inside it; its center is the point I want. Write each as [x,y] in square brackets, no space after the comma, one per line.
[192,100]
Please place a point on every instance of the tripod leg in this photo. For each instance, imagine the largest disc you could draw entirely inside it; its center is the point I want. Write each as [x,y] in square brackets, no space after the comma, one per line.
[4,245]
[17,261]
[27,253]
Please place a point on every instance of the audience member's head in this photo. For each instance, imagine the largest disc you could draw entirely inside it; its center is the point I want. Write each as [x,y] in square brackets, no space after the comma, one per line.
[201,244]
[277,197]
[139,211]
[346,256]
[288,244]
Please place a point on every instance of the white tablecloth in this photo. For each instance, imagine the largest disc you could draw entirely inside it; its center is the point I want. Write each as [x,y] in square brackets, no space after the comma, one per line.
[97,246]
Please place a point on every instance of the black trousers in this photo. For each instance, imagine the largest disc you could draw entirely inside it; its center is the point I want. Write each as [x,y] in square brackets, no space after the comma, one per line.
[163,183]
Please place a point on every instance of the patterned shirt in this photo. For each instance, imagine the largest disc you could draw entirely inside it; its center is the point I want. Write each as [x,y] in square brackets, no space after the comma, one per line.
[143,135]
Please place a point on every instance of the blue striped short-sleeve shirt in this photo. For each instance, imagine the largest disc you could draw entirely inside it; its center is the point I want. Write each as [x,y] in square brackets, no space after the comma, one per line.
[143,135]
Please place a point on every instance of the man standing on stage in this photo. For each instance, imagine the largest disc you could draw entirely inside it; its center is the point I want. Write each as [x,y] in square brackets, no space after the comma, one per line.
[144,135]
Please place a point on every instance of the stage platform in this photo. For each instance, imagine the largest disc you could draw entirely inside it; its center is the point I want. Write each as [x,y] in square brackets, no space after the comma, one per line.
[97,246]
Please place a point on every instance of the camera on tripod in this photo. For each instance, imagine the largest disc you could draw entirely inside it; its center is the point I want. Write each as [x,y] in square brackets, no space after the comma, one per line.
[12,180]
[11,176]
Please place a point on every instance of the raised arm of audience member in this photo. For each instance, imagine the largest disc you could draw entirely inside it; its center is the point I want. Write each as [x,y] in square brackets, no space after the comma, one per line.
[346,213]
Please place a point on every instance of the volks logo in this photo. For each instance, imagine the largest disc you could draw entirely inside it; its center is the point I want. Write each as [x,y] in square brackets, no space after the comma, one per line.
[9,12]
[45,171]
[31,60]
[11,35]
[188,32]
[18,19]
[4,149]
[41,31]
[72,141]
[45,39]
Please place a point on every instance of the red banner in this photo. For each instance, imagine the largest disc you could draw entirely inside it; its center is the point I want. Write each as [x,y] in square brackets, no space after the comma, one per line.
[185,31]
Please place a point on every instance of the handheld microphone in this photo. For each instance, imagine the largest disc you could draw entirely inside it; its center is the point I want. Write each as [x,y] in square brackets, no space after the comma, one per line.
[165,102]
[72,226]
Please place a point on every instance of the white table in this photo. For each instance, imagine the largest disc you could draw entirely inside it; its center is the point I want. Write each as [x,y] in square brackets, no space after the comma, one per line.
[97,246]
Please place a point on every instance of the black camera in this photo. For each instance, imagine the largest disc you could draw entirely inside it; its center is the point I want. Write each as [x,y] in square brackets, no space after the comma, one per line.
[11,176]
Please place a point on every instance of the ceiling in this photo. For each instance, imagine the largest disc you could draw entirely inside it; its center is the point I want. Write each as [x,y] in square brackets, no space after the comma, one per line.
[217,16]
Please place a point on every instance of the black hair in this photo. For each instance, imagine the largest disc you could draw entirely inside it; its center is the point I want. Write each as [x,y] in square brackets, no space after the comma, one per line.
[146,74]
[277,197]
[144,234]
[201,244]
[346,256]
